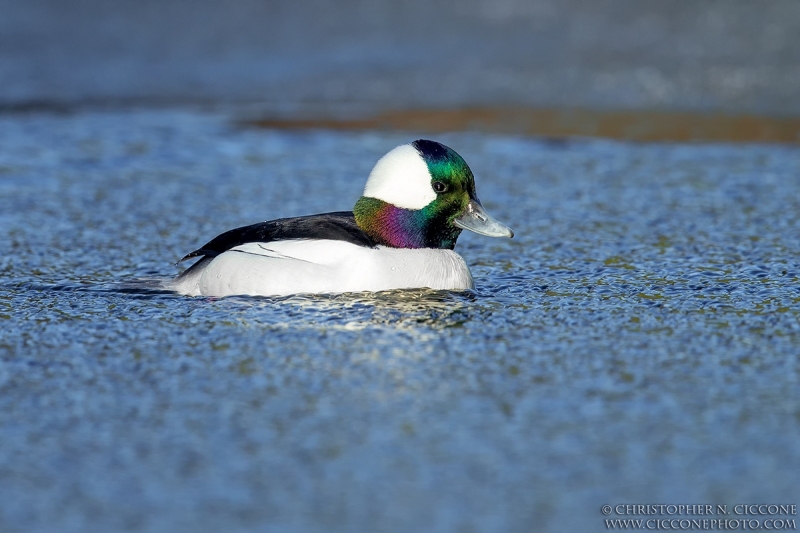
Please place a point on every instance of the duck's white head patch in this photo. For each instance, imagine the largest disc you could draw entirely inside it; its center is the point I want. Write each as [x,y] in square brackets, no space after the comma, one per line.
[401,178]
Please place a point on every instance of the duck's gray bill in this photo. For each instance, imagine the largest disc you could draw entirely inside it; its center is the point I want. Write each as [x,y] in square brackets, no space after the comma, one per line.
[476,219]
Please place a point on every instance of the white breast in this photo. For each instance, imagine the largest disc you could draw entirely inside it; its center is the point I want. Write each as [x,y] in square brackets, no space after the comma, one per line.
[323,266]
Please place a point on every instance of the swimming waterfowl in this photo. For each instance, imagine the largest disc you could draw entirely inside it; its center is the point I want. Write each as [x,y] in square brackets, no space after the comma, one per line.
[400,235]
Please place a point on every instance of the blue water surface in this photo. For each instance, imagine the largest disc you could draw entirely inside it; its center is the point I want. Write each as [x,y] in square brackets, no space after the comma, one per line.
[636,342]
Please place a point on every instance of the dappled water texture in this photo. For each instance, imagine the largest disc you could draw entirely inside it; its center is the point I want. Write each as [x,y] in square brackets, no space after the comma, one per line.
[637,341]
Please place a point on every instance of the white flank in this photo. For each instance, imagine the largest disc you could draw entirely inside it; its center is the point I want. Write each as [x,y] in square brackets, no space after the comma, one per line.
[401,178]
[323,266]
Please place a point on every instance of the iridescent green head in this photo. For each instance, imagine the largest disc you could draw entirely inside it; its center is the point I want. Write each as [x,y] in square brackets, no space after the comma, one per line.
[421,195]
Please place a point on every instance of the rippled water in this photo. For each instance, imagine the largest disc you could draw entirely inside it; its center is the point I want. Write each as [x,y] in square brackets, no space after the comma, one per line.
[637,341]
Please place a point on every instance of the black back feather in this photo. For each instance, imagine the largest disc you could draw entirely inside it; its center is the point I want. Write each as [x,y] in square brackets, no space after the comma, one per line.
[339,226]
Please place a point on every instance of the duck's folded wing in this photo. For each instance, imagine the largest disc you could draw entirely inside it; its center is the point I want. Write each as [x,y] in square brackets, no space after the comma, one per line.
[338,226]
[316,251]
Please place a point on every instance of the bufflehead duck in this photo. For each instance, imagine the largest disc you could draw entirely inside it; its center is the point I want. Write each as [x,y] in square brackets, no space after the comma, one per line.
[400,235]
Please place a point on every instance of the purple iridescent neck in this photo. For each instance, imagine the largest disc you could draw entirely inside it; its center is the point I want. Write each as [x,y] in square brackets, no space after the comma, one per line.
[393,226]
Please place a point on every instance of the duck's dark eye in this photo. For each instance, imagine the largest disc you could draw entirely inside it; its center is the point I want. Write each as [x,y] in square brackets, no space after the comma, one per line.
[438,186]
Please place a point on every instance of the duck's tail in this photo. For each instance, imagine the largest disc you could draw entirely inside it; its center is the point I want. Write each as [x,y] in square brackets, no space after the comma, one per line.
[187,283]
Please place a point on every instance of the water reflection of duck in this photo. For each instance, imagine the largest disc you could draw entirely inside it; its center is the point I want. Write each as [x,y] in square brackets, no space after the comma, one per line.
[400,235]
